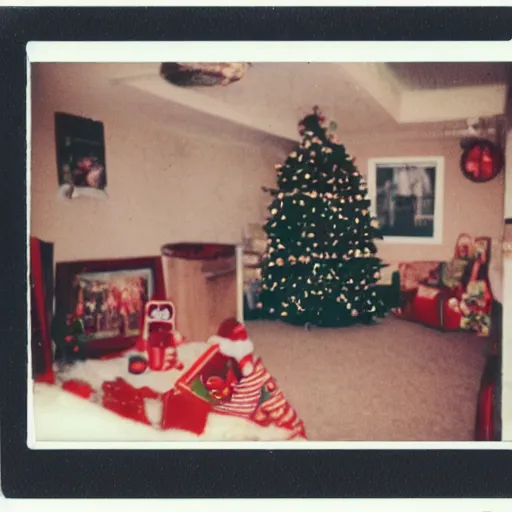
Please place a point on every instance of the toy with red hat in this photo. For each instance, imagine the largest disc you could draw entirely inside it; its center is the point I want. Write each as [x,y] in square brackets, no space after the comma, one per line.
[227,379]
[233,342]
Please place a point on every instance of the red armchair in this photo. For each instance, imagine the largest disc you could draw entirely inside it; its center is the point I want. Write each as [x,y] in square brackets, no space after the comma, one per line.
[450,295]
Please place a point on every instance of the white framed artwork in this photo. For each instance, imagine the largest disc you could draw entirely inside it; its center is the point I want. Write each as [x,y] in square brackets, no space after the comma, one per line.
[407,196]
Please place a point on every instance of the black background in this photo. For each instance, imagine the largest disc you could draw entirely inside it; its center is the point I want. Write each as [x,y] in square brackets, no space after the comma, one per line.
[179,474]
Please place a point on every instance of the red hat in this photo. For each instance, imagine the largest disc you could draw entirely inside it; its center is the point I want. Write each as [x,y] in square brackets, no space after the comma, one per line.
[232,329]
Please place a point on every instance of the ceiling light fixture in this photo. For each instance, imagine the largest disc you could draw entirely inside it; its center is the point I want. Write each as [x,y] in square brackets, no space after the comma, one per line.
[189,74]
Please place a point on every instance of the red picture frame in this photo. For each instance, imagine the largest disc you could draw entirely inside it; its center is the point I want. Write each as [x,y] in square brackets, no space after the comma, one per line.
[69,273]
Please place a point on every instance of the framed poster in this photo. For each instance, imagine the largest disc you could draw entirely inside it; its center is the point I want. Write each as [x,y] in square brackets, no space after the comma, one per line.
[407,198]
[108,297]
[81,166]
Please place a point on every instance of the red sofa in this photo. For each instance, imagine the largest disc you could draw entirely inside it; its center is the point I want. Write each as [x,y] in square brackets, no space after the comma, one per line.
[450,295]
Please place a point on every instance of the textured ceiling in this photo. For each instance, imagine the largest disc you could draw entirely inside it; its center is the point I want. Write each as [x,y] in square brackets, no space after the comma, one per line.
[438,75]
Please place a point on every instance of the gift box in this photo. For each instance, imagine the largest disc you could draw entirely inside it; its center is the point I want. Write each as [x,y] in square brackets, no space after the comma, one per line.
[187,405]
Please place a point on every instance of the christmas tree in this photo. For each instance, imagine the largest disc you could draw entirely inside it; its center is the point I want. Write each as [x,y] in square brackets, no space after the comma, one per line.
[320,266]
[70,341]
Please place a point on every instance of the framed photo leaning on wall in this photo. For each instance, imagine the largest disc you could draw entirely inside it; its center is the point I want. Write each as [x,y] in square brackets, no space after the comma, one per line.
[407,198]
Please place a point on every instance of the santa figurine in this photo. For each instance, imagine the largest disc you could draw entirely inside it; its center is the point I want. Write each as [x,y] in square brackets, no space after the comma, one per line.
[232,340]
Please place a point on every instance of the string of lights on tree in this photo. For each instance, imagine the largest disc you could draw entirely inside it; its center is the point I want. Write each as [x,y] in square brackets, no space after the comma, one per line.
[320,266]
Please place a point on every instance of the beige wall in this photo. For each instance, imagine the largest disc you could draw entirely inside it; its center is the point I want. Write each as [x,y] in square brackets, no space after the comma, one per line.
[473,208]
[162,187]
[167,187]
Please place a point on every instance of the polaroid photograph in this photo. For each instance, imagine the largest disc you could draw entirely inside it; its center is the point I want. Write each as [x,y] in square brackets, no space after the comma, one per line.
[292,261]
[342,256]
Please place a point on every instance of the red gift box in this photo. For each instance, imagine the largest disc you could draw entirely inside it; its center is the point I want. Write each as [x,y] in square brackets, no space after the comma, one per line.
[184,411]
[427,307]
[187,405]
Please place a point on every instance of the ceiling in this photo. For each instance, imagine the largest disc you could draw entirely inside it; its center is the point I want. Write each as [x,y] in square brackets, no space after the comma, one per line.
[431,75]
[365,99]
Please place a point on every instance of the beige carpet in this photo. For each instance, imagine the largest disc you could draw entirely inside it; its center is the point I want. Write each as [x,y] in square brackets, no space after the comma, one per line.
[396,381]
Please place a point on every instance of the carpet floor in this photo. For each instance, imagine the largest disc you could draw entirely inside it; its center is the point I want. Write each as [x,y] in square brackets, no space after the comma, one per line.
[394,381]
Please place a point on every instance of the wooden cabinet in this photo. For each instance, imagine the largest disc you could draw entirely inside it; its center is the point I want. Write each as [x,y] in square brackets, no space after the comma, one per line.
[201,279]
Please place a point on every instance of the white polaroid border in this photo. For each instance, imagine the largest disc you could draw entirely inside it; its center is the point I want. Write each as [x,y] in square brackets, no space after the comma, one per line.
[258,51]
[435,161]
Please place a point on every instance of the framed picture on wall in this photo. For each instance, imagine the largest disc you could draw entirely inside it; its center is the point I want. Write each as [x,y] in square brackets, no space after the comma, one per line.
[407,198]
[108,297]
[81,166]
